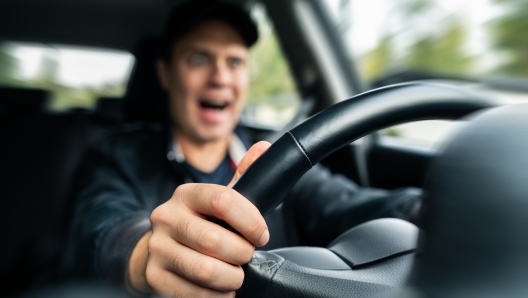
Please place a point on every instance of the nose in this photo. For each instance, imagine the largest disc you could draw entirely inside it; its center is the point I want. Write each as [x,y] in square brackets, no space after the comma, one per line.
[221,75]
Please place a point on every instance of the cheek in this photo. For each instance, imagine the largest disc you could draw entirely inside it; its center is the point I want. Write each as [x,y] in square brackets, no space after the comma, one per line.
[189,84]
[242,85]
[191,81]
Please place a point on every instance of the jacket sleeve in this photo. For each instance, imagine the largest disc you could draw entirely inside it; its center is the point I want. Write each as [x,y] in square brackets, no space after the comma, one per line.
[109,217]
[324,205]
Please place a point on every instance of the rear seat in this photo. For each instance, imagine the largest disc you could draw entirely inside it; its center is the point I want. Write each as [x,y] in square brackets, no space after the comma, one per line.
[110,108]
[22,101]
[39,152]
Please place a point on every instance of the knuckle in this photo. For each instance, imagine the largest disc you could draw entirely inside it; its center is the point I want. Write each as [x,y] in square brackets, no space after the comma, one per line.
[204,271]
[158,216]
[152,276]
[153,246]
[210,241]
[183,227]
[222,202]
[176,263]
[182,188]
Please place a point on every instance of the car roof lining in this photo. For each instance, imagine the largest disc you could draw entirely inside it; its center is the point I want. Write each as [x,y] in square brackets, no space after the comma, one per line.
[115,24]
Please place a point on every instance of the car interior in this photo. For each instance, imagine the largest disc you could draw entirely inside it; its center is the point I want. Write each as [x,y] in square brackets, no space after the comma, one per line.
[473,219]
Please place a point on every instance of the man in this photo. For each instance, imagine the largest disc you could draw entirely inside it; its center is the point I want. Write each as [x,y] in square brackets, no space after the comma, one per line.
[140,222]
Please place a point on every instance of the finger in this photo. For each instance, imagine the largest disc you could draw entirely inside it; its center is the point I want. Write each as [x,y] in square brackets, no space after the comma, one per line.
[211,239]
[228,205]
[253,153]
[196,267]
[168,284]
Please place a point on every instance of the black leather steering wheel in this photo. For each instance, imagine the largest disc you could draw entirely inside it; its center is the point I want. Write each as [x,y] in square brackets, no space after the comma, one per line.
[372,257]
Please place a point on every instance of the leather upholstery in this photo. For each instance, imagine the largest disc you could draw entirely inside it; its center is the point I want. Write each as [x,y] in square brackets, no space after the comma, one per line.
[312,257]
[145,100]
[319,272]
[376,240]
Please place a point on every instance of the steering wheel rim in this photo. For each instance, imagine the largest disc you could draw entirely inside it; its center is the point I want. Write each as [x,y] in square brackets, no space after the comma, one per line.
[268,180]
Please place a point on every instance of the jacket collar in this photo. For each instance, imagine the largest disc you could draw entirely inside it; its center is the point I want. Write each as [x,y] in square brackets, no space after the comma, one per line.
[237,148]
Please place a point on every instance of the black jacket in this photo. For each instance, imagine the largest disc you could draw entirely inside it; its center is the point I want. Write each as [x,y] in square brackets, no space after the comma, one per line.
[126,176]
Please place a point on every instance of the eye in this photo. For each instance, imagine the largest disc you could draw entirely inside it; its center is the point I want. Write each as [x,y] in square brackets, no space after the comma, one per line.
[198,59]
[235,62]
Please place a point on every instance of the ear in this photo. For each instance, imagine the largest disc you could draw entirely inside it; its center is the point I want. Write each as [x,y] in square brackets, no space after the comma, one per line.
[163,76]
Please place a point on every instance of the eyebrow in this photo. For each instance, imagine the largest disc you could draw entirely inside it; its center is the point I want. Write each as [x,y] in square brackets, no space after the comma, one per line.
[200,50]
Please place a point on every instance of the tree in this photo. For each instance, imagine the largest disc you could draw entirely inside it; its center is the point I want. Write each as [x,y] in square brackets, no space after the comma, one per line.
[270,72]
[8,66]
[442,54]
[378,61]
[510,34]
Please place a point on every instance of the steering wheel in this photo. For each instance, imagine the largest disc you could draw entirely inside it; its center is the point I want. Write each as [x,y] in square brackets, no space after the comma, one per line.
[371,258]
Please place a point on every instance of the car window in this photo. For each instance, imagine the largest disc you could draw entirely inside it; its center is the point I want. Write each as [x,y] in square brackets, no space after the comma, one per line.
[272,99]
[75,76]
[478,43]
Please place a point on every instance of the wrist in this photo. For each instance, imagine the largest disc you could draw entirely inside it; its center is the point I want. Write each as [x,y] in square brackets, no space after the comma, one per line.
[138,264]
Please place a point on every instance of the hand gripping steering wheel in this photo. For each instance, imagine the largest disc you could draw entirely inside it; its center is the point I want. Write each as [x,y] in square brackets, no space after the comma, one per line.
[373,257]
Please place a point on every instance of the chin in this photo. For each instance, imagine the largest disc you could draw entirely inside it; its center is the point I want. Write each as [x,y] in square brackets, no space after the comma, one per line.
[211,135]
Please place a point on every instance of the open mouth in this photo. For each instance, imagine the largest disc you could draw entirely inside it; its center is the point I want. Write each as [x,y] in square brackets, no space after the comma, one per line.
[217,105]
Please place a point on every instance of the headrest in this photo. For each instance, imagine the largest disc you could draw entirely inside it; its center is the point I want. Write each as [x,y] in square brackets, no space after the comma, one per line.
[144,99]
[474,241]
[110,108]
[22,100]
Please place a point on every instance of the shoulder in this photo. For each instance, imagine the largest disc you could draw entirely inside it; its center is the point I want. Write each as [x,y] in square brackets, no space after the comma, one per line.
[131,134]
[132,137]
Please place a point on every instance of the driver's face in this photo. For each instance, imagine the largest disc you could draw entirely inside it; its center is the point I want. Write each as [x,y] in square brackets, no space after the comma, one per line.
[207,81]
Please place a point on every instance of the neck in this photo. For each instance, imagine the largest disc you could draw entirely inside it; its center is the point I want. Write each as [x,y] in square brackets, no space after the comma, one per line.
[204,156]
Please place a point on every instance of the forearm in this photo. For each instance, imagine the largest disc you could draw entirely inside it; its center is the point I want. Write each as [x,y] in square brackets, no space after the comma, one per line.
[325,205]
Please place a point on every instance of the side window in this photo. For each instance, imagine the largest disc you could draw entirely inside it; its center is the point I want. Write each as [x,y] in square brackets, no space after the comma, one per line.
[272,99]
[75,76]
[478,44]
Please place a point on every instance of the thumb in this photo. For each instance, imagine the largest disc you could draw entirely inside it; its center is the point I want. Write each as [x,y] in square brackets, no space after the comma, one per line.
[253,153]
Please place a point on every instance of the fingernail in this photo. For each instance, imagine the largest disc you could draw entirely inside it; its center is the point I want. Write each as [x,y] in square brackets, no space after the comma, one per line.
[264,238]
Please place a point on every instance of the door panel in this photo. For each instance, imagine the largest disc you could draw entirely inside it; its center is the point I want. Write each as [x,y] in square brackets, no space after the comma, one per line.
[394,162]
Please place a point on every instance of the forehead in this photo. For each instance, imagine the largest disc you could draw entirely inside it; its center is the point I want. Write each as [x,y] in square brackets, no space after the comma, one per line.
[212,36]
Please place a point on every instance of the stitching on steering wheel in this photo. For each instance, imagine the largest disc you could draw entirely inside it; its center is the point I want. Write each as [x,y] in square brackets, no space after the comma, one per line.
[302,148]
[268,265]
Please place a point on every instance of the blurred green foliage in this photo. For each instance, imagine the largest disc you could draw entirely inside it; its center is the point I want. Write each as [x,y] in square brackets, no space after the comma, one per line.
[270,75]
[378,61]
[510,34]
[442,49]
[443,53]
[61,96]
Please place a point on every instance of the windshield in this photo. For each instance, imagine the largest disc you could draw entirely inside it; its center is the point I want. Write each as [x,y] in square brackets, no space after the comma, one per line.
[480,43]
[454,38]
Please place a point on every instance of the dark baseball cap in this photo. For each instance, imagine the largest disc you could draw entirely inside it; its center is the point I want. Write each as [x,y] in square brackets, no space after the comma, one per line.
[184,17]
